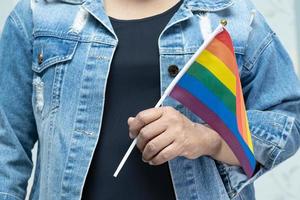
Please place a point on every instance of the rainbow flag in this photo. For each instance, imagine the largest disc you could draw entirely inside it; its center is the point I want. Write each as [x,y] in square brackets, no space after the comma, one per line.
[209,85]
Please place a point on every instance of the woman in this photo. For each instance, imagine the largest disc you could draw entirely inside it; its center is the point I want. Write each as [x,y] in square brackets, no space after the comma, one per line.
[81,77]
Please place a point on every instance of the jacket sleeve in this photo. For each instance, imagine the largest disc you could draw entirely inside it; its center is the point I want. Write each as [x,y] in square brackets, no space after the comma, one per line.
[18,132]
[272,97]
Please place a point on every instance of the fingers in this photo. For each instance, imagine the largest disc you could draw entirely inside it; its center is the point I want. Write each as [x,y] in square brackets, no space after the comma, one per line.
[155,145]
[143,118]
[149,132]
[168,153]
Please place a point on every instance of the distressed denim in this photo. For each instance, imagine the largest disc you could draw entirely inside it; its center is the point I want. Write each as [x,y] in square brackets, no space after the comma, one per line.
[55,57]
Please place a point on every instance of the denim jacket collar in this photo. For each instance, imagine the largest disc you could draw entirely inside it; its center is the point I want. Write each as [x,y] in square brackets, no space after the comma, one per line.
[208,5]
[204,5]
[95,8]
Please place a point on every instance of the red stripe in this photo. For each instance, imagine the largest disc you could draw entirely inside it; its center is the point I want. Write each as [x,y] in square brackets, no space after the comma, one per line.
[226,39]
[214,121]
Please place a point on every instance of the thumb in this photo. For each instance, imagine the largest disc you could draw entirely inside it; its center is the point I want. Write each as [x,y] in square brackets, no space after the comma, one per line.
[130,119]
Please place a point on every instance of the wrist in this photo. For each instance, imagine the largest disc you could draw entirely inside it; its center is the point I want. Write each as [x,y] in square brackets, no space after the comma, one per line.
[218,148]
[212,141]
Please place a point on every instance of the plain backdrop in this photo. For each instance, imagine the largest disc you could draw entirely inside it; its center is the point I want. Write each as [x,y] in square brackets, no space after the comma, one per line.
[282,183]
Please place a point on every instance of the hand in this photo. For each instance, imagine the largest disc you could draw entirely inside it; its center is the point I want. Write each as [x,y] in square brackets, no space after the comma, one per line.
[164,133]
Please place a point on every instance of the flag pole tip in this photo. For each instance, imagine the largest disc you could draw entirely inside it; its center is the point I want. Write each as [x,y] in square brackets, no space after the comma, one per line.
[224,22]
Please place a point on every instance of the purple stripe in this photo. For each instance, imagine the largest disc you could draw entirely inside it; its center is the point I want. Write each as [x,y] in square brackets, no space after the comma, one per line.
[197,107]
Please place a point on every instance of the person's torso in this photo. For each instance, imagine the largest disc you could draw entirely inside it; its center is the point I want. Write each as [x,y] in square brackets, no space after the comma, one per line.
[133,85]
[73,48]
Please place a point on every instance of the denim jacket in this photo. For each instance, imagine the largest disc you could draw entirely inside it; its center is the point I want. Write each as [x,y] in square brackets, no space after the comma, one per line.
[55,57]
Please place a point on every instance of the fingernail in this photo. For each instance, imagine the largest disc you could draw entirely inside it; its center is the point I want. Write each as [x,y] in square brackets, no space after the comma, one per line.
[130,118]
[150,163]
[130,135]
[144,160]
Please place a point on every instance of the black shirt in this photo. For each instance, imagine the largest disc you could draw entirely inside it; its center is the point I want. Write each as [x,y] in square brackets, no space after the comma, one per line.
[133,85]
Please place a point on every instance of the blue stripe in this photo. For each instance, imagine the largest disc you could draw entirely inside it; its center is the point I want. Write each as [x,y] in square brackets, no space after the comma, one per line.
[198,90]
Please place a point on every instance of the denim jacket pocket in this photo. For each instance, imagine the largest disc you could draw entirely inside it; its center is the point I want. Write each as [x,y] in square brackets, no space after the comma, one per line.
[51,56]
[174,57]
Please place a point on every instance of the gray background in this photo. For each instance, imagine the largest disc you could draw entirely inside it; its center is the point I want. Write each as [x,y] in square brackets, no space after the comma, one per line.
[282,183]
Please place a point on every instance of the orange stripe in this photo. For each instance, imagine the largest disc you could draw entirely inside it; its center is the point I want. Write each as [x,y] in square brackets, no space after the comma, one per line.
[240,112]
[221,51]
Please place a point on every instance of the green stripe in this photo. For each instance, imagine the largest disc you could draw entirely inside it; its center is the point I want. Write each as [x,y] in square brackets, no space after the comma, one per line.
[213,84]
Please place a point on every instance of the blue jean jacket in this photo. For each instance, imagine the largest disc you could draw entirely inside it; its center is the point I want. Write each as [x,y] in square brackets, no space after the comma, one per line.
[54,63]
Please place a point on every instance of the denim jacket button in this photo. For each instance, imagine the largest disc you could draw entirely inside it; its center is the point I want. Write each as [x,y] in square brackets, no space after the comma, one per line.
[173,70]
[40,58]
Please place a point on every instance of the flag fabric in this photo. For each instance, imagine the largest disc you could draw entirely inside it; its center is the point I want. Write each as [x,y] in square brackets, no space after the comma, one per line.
[210,87]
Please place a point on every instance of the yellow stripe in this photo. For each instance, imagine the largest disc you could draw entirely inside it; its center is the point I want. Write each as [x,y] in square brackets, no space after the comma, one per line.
[218,69]
[249,139]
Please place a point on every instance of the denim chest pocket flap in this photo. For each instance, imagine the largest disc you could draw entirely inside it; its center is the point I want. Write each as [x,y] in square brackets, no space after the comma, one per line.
[48,51]
[50,57]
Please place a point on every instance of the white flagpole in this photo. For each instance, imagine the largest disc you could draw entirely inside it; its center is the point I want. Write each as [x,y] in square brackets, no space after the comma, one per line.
[171,86]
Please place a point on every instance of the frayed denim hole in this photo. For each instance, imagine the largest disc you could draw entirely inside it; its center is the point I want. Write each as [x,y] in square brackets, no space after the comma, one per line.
[39,97]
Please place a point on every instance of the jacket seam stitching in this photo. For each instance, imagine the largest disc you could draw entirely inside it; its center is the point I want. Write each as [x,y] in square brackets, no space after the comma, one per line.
[219,7]
[17,21]
[272,156]
[226,177]
[182,35]
[280,144]
[249,64]
[277,150]
[9,194]
[264,141]
[290,121]
[232,190]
